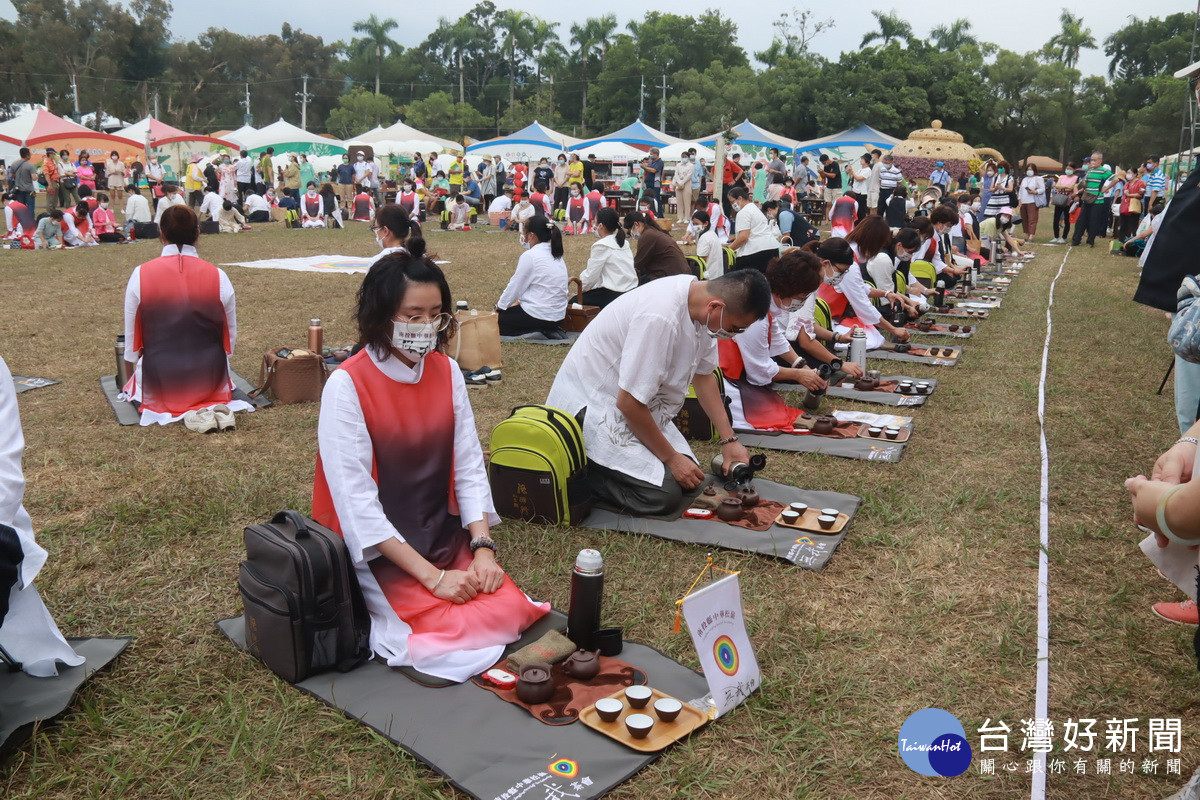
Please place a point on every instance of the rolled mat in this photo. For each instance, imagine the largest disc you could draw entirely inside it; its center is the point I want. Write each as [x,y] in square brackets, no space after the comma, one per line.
[482,745]
[25,701]
[858,448]
[23,384]
[811,551]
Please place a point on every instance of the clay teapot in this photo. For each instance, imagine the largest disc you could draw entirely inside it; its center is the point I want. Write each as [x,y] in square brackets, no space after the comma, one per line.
[583,664]
[902,347]
[730,509]
[535,686]
[749,497]
[925,325]
[866,384]
[824,425]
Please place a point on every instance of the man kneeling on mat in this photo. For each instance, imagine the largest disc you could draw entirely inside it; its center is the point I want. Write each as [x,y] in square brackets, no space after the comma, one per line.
[629,371]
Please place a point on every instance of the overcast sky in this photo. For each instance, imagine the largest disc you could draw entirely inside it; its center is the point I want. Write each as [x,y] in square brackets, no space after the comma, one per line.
[1026,25]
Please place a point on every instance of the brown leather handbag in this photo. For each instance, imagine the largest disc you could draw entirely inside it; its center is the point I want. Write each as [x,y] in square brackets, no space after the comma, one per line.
[292,376]
[578,318]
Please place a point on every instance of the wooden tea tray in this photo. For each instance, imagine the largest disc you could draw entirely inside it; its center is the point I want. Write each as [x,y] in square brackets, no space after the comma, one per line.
[941,350]
[808,520]
[661,735]
[905,433]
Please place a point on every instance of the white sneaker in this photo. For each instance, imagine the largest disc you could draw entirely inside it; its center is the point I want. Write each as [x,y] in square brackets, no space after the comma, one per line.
[224,415]
[202,421]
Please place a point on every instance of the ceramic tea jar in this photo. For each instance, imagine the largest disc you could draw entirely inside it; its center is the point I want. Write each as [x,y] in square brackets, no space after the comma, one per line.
[535,685]
[730,509]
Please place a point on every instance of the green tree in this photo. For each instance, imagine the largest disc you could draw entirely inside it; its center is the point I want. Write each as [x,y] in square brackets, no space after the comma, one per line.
[700,100]
[954,35]
[1150,48]
[589,39]
[358,111]
[376,40]
[794,33]
[517,27]
[440,115]
[892,28]
[1067,43]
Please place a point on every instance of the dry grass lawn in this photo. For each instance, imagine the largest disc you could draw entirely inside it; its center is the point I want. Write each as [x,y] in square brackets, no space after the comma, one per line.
[931,601]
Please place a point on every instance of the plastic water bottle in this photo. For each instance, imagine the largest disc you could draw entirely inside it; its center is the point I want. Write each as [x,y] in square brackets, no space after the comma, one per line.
[858,347]
[587,593]
[122,364]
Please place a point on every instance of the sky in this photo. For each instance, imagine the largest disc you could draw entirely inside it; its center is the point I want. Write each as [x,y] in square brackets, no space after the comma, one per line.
[1027,23]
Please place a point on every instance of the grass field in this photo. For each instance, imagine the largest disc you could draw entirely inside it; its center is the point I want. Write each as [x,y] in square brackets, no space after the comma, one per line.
[931,601]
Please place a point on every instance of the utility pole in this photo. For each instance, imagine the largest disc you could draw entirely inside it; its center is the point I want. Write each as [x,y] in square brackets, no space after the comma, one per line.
[75,95]
[156,103]
[46,96]
[247,119]
[304,98]
[662,108]
[461,94]
[642,100]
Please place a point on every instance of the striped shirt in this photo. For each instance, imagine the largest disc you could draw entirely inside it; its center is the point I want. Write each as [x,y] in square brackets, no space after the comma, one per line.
[1094,180]
[1156,182]
[890,176]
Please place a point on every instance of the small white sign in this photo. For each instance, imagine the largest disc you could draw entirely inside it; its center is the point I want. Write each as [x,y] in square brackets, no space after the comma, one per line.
[718,629]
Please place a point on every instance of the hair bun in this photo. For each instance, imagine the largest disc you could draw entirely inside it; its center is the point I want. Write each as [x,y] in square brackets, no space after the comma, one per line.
[415,245]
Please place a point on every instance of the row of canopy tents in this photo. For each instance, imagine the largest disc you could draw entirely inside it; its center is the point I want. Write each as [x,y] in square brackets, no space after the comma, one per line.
[631,142]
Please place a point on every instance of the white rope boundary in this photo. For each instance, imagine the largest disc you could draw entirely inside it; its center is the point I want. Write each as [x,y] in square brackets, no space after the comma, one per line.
[1041,701]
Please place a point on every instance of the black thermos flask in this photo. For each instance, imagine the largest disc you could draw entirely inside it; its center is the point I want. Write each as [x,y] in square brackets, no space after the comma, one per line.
[587,593]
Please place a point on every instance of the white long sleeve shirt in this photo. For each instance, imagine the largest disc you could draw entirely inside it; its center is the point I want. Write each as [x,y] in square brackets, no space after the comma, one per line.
[539,285]
[347,455]
[709,247]
[212,205]
[609,267]
[759,344]
[137,209]
[165,202]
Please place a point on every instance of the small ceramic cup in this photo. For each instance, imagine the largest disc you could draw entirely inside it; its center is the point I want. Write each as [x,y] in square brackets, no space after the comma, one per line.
[904,387]
[829,512]
[639,725]
[667,708]
[922,388]
[799,508]
[790,517]
[874,432]
[609,708]
[891,433]
[826,521]
[637,696]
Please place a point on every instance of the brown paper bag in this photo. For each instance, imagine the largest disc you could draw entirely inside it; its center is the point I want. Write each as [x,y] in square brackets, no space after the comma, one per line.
[477,343]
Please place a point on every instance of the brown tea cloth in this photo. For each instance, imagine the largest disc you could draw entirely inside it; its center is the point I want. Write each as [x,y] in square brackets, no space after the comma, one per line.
[572,695]
[884,386]
[841,429]
[551,648]
[759,518]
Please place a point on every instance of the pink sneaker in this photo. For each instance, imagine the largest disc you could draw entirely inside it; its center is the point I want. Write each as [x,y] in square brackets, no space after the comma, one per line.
[1184,613]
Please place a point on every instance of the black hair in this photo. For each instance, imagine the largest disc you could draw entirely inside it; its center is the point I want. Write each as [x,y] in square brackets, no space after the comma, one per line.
[81,209]
[634,217]
[6,197]
[225,204]
[770,204]
[382,291]
[395,218]
[102,197]
[243,153]
[133,189]
[546,231]
[24,151]
[179,225]
[84,191]
[872,235]
[703,218]
[737,193]
[746,291]
[922,225]
[834,249]
[1158,207]
[56,213]
[944,215]
[795,272]
[170,188]
[311,185]
[611,220]
[908,238]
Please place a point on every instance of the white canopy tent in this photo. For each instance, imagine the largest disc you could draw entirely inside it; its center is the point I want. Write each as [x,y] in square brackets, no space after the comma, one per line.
[287,138]
[674,152]
[240,134]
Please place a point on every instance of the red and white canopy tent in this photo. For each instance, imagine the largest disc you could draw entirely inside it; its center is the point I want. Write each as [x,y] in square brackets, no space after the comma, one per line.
[38,129]
[177,147]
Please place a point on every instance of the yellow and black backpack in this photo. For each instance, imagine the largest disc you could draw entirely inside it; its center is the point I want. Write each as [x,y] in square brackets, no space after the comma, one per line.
[538,467]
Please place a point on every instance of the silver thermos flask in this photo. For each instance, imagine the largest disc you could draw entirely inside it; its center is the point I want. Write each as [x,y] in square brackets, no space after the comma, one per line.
[122,364]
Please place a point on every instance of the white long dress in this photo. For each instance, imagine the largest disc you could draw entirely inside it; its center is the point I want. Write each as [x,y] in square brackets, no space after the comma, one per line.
[28,631]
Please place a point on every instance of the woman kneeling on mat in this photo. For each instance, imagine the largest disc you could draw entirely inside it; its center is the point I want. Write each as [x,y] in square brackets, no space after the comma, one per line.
[750,360]
[610,271]
[180,328]
[535,300]
[408,491]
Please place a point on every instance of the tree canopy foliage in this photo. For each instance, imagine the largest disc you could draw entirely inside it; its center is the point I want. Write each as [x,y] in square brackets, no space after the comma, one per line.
[492,70]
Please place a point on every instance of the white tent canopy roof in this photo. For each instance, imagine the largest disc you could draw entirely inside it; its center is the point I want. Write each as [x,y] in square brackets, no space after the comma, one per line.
[282,131]
[240,134]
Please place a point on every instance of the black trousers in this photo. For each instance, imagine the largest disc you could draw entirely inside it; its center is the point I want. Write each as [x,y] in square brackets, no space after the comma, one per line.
[756,261]
[514,322]
[1093,218]
[1062,214]
[243,189]
[1128,227]
[884,194]
[599,297]
[259,216]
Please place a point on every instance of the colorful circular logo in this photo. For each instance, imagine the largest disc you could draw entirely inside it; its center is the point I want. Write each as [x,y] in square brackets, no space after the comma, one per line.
[726,654]
[564,768]
[805,540]
[933,742]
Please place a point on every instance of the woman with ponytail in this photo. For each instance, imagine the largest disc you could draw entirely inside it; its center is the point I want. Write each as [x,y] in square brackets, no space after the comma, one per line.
[535,300]
[609,272]
[395,230]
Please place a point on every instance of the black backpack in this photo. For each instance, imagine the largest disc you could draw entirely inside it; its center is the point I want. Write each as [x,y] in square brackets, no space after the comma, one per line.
[304,609]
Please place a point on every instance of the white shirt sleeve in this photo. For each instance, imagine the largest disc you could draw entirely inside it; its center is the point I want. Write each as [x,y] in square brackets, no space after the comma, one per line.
[856,293]
[133,299]
[519,282]
[346,457]
[594,271]
[760,368]
[646,357]
[230,304]
[471,486]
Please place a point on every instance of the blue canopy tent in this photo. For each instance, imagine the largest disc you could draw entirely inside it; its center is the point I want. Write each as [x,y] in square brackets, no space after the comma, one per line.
[636,133]
[753,140]
[533,142]
[850,143]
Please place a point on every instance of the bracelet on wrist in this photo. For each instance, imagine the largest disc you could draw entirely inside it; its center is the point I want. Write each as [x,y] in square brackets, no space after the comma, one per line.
[439,581]
[1160,516]
[1183,439]
[730,440]
[483,542]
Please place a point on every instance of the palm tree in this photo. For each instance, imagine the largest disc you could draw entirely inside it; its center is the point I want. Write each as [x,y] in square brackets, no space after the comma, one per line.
[542,36]
[377,38]
[606,26]
[1073,38]
[891,27]
[953,36]
[590,40]
[516,26]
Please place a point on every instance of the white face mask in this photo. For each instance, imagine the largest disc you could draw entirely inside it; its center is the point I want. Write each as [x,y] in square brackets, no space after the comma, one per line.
[360,158]
[794,305]
[975,206]
[720,332]
[1029,172]
[990,173]
[104,205]
[1005,220]
[379,240]
[414,339]
[834,279]
[1129,176]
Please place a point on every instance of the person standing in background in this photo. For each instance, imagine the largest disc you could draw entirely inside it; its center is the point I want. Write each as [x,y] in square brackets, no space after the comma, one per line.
[875,182]
[486,178]
[652,180]
[832,176]
[23,176]
[890,177]
[344,188]
[685,171]
[776,173]
[589,172]
[1156,183]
